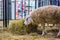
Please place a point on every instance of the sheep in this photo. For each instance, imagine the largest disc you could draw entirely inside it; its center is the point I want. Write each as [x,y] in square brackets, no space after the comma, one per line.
[47,14]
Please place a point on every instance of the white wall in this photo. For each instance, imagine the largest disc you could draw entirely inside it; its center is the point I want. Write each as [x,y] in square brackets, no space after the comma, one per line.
[1,9]
[13,10]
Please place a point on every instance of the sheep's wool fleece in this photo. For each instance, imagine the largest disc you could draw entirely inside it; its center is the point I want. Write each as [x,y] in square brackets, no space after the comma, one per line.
[46,14]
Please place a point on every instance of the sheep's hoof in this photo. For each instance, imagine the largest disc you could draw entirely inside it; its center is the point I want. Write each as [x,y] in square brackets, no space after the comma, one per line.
[58,36]
[43,33]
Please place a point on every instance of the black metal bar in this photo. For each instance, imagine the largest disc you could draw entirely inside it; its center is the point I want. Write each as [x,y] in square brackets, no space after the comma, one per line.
[15,9]
[9,10]
[5,13]
[35,3]
[28,5]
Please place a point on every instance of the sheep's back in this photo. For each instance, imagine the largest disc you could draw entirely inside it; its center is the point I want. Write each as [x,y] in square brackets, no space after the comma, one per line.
[46,14]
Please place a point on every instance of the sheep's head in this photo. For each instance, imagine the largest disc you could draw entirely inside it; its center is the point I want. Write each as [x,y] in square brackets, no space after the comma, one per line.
[28,20]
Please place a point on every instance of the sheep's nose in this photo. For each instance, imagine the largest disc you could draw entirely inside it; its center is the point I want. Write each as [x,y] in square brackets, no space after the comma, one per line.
[24,23]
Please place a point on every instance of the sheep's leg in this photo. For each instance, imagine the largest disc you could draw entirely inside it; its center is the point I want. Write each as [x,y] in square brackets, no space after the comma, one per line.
[43,31]
[58,35]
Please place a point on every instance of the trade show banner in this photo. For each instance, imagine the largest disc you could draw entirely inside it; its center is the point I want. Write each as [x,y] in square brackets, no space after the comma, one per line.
[16,9]
[24,7]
